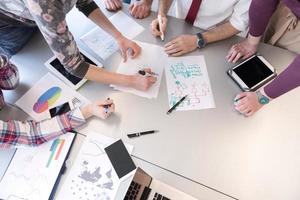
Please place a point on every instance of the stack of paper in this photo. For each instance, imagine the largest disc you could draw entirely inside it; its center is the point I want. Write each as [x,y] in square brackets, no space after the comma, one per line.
[188,76]
[33,172]
[102,43]
[47,93]
[152,56]
[92,175]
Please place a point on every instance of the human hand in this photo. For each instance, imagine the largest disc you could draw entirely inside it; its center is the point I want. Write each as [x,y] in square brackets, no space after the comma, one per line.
[128,47]
[143,82]
[243,50]
[155,29]
[113,5]
[247,103]
[181,45]
[100,109]
[140,9]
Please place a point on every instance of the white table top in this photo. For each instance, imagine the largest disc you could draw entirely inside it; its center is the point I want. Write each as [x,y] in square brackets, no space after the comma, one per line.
[246,158]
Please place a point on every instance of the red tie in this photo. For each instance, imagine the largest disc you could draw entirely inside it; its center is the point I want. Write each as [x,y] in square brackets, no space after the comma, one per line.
[192,14]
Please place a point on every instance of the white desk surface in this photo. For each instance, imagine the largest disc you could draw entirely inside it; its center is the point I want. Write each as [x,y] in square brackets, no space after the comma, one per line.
[246,158]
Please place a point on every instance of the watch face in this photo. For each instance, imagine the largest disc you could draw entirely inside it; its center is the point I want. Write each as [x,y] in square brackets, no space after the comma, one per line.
[263,100]
[201,43]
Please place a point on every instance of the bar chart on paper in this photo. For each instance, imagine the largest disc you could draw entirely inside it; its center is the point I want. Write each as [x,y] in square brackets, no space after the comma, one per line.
[34,170]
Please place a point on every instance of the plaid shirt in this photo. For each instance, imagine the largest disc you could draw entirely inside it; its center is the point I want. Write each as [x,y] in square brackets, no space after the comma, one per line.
[9,77]
[33,133]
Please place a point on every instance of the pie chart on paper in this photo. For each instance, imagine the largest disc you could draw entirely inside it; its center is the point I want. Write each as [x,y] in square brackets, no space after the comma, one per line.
[47,99]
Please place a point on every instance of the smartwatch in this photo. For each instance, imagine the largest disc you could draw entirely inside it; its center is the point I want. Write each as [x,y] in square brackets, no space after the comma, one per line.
[200,41]
[262,99]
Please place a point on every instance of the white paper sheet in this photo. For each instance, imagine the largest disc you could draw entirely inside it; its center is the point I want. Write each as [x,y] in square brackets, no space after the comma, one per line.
[188,75]
[47,93]
[102,43]
[92,176]
[152,56]
[32,172]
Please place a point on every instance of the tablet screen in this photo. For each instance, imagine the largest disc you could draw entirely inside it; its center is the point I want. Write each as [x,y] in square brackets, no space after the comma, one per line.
[253,72]
[60,68]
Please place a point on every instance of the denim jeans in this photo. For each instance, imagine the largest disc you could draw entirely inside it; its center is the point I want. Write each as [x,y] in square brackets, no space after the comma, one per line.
[14,36]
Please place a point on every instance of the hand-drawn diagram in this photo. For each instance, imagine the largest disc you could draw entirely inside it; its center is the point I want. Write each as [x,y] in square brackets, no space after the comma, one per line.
[188,75]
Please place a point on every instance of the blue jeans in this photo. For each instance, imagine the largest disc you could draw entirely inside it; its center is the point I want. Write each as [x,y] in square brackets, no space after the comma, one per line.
[14,36]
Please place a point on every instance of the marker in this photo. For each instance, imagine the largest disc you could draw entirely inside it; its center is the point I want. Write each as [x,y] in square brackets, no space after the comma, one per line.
[106,107]
[143,72]
[162,36]
[141,133]
[236,100]
[176,104]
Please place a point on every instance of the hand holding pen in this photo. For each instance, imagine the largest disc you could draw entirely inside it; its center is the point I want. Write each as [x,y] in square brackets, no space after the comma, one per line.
[144,79]
[104,108]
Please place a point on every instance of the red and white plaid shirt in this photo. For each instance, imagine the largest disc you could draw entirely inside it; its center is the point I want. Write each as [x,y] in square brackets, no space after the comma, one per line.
[32,133]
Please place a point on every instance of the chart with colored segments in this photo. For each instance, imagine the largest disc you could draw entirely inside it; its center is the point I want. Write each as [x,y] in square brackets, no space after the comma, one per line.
[47,93]
[35,170]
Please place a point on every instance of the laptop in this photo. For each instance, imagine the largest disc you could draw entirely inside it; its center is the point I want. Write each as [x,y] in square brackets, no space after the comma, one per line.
[135,183]
[145,187]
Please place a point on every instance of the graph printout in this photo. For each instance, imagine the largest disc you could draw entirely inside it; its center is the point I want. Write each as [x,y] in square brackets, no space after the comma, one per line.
[188,76]
[33,171]
[47,93]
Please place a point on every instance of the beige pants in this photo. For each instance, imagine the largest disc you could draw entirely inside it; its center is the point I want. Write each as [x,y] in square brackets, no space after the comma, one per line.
[284,30]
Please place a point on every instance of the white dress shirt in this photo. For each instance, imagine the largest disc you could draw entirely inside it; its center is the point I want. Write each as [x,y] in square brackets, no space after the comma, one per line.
[214,12]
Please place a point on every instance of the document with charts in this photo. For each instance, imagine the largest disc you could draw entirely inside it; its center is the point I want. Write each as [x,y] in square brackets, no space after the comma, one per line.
[92,175]
[188,76]
[152,56]
[33,171]
[47,93]
[102,43]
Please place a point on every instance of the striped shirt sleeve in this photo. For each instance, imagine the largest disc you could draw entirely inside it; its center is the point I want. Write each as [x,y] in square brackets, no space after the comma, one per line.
[32,133]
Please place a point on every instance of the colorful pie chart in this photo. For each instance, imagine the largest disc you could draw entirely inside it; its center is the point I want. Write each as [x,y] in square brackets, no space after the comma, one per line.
[47,99]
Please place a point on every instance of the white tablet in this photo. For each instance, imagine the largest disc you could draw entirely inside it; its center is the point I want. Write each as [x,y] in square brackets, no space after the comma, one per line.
[252,73]
[58,69]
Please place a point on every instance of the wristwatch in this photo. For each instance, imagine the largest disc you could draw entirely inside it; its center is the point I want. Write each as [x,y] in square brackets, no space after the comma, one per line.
[200,41]
[262,99]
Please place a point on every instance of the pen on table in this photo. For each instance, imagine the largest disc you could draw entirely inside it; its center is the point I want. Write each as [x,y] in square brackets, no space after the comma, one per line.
[162,36]
[176,104]
[143,72]
[141,133]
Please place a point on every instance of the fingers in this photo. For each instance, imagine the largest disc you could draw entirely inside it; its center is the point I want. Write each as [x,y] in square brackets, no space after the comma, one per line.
[113,5]
[139,10]
[148,70]
[124,54]
[240,96]
[136,50]
[155,28]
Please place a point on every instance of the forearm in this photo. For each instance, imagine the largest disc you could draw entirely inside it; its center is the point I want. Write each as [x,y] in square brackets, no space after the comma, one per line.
[220,32]
[9,74]
[260,13]
[102,76]
[164,6]
[33,133]
[285,81]
[102,21]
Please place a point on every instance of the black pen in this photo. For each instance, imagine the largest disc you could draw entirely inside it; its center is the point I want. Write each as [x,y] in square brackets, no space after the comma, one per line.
[143,72]
[176,104]
[141,133]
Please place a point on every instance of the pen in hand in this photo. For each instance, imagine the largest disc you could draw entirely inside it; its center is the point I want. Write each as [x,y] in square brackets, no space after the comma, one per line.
[162,36]
[143,72]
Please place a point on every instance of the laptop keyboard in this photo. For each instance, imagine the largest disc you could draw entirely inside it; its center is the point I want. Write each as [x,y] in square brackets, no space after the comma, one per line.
[134,189]
[159,197]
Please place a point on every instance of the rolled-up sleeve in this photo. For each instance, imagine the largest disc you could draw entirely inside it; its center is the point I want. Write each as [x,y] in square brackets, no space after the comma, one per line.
[86,6]
[240,17]
[50,18]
